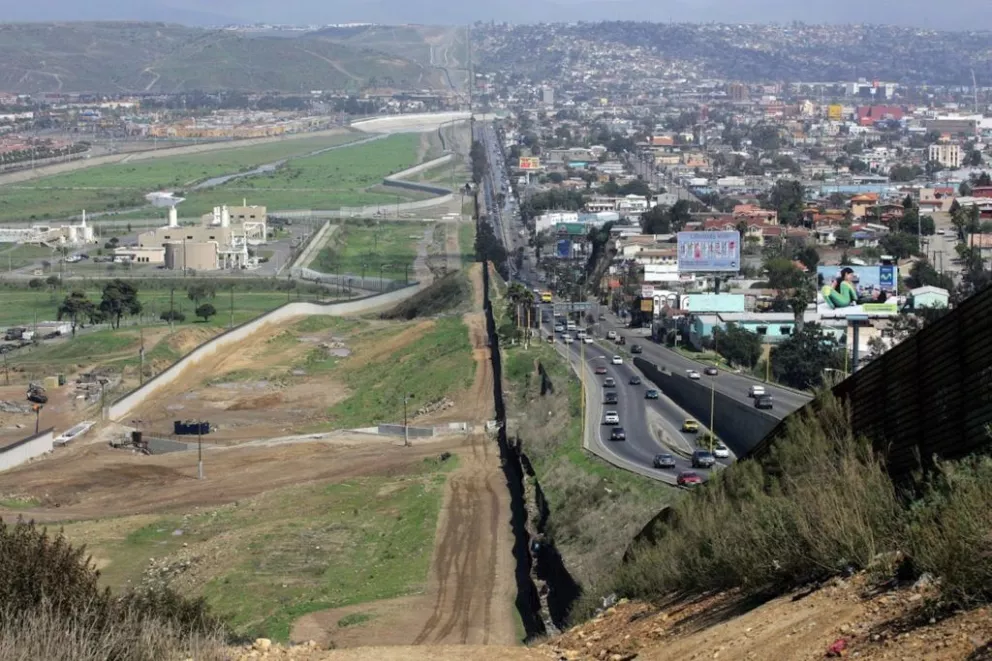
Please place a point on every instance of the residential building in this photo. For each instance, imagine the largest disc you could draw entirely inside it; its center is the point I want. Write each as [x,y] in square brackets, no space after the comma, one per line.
[948,155]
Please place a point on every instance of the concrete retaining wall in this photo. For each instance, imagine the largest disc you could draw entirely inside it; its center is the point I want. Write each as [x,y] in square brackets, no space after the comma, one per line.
[415,432]
[360,212]
[738,424]
[313,246]
[128,402]
[412,123]
[27,448]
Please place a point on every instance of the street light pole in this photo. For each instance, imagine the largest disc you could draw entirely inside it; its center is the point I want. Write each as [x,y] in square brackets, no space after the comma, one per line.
[199,449]
[406,428]
[712,411]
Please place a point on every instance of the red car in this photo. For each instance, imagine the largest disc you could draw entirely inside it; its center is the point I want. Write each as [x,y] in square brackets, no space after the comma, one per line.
[688,479]
[601,369]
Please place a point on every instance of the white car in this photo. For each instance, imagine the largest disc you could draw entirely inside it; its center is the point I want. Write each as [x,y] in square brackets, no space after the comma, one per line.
[617,360]
[587,339]
[567,339]
[611,418]
[611,335]
[692,374]
[559,328]
[755,391]
[581,335]
[721,451]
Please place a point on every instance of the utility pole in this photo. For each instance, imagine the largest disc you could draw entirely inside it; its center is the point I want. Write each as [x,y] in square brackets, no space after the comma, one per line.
[172,302]
[199,449]
[231,324]
[712,411]
[141,356]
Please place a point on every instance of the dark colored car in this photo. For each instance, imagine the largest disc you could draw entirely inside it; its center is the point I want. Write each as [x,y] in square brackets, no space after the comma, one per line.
[609,382]
[651,394]
[636,348]
[618,434]
[763,402]
[689,479]
[711,371]
[601,369]
[635,380]
[610,398]
[703,459]
[664,461]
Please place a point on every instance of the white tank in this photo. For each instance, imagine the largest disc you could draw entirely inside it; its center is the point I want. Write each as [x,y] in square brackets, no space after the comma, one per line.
[173,217]
[73,234]
[225,217]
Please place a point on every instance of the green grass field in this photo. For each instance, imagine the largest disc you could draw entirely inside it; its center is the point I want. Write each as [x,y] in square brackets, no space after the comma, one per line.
[292,551]
[436,365]
[466,241]
[354,246]
[124,185]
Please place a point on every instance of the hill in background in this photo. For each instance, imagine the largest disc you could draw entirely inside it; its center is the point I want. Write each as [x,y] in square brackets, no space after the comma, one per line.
[159,57]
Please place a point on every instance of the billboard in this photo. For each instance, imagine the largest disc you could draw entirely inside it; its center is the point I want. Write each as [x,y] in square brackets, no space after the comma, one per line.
[707,252]
[867,290]
[647,305]
[647,291]
[563,249]
[530,163]
[835,112]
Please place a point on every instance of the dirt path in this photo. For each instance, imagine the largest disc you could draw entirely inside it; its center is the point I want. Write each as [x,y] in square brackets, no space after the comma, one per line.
[470,589]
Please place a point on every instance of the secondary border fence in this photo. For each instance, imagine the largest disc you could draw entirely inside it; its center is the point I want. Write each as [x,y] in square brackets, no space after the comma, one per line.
[929,397]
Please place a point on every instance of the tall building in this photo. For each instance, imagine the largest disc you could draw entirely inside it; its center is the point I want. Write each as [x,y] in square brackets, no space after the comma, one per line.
[548,96]
[947,155]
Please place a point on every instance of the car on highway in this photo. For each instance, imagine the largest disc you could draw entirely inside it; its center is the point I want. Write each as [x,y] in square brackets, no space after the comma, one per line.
[618,434]
[690,426]
[635,380]
[600,369]
[664,461]
[611,418]
[689,479]
[581,335]
[711,371]
[559,328]
[567,338]
[636,348]
[602,317]
[587,339]
[617,360]
[610,397]
[692,374]
[721,451]
[611,335]
[651,393]
[609,382]
[703,459]
[755,391]
[763,402]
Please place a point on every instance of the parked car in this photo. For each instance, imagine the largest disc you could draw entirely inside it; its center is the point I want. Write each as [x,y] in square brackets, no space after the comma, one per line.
[617,360]
[611,418]
[755,391]
[703,459]
[763,402]
[618,434]
[611,335]
[651,393]
[690,426]
[610,397]
[664,461]
[602,317]
[609,382]
[636,348]
[600,369]
[688,479]
[692,374]
[721,451]
[635,380]
[711,371]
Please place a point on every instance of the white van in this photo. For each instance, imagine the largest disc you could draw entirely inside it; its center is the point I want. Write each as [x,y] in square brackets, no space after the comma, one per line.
[756,391]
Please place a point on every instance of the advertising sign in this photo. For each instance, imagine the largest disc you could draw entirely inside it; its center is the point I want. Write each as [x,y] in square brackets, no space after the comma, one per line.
[563,249]
[866,280]
[835,111]
[708,252]
[647,291]
[530,163]
[647,304]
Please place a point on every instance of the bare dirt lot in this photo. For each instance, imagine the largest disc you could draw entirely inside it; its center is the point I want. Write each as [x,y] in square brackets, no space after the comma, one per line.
[469,598]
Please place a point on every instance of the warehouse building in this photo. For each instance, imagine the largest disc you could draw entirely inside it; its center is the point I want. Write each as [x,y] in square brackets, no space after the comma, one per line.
[220,242]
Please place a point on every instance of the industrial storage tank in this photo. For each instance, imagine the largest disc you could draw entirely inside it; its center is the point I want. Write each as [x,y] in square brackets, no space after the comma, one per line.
[196,256]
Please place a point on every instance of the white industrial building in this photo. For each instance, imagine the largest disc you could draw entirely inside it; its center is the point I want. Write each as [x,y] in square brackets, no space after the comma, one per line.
[75,235]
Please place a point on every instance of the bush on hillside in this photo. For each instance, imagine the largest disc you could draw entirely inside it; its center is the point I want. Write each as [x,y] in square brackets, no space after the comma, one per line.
[444,295]
[49,596]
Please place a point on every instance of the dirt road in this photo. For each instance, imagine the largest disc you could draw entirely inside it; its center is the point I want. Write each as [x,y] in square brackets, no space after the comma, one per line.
[470,590]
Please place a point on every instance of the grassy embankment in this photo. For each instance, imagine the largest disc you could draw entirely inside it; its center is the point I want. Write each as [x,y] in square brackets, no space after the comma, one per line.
[365,246]
[822,505]
[124,185]
[263,563]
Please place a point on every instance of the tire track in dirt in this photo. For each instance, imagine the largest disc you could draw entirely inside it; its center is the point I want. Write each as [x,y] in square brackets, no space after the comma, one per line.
[464,586]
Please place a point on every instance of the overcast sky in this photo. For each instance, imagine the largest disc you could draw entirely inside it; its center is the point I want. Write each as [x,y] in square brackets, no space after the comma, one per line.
[950,14]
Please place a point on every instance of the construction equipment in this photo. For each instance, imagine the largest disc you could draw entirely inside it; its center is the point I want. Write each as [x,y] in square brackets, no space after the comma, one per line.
[36,393]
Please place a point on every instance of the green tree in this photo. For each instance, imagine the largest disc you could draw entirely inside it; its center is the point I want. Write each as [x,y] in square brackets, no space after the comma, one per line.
[200,292]
[656,220]
[788,197]
[808,256]
[899,244]
[36,283]
[76,307]
[173,315]
[800,361]
[738,346]
[206,311]
[923,274]
[120,298]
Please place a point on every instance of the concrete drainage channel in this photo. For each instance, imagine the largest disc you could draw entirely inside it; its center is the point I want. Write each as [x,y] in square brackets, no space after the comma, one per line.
[545,590]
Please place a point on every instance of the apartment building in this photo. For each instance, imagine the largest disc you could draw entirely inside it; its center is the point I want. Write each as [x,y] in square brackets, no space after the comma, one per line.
[947,155]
